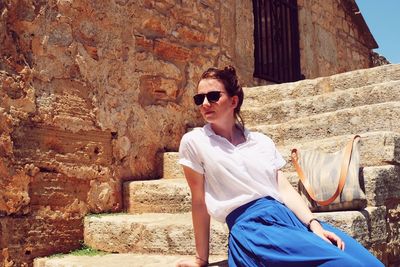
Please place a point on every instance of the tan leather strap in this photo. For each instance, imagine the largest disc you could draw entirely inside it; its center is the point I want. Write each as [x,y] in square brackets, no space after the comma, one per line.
[343,173]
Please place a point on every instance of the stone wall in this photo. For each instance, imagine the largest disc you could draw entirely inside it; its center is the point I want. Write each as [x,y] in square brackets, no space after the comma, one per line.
[92,92]
[333,39]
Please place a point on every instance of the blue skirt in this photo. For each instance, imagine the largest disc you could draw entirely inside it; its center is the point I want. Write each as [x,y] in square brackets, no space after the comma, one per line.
[265,232]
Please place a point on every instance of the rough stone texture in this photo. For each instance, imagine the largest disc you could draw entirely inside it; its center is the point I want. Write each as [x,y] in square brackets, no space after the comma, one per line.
[172,233]
[122,260]
[43,234]
[171,168]
[150,233]
[358,120]
[379,60]
[307,106]
[264,95]
[164,196]
[331,38]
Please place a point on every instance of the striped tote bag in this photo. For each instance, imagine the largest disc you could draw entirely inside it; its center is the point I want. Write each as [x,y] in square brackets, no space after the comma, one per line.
[330,181]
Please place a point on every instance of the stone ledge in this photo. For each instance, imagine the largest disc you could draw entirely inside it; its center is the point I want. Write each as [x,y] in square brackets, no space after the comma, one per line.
[312,87]
[172,233]
[278,112]
[358,120]
[149,233]
[121,260]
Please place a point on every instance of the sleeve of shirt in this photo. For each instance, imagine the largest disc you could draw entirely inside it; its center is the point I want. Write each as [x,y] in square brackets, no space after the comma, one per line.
[188,155]
[279,161]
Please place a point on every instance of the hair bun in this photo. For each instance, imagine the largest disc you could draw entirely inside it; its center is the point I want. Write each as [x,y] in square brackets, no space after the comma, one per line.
[230,69]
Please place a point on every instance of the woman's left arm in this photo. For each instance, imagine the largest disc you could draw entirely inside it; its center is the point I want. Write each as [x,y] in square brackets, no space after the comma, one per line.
[292,199]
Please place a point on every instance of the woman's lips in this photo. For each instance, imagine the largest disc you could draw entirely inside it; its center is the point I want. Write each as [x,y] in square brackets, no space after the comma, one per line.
[208,112]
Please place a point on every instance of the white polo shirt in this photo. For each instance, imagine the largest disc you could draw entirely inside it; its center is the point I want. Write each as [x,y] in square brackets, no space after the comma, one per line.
[234,175]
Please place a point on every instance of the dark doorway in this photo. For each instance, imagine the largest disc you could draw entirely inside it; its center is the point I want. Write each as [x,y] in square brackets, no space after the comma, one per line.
[276,37]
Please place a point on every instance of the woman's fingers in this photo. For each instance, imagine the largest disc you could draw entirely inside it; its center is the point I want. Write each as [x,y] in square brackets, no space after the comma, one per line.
[335,239]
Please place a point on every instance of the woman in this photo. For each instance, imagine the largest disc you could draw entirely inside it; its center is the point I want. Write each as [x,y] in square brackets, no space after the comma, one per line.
[234,176]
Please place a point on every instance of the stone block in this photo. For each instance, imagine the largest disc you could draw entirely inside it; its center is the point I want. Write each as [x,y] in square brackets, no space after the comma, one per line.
[15,187]
[56,190]
[153,27]
[382,184]
[149,233]
[45,146]
[172,52]
[25,238]
[190,36]
[393,220]
[155,89]
[157,196]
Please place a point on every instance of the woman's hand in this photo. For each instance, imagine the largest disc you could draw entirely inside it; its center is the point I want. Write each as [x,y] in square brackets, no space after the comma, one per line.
[328,236]
[191,263]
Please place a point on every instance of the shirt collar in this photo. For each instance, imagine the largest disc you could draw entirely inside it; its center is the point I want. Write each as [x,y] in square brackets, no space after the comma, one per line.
[209,131]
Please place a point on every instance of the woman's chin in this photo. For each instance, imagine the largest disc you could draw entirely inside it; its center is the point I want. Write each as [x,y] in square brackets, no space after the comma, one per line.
[209,117]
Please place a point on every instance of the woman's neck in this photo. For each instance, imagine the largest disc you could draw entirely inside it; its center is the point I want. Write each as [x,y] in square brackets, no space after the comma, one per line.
[230,131]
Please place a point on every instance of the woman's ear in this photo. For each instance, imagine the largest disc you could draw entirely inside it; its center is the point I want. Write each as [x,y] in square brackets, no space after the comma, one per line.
[235,101]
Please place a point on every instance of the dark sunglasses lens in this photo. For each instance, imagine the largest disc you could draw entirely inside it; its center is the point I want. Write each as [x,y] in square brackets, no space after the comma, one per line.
[199,99]
[213,96]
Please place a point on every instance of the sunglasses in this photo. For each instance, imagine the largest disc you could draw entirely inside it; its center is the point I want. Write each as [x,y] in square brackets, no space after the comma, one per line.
[212,97]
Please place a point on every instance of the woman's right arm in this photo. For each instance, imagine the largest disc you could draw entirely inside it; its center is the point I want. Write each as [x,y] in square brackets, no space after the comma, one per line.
[200,218]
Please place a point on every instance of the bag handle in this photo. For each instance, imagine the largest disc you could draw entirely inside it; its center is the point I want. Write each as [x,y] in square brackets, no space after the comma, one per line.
[343,173]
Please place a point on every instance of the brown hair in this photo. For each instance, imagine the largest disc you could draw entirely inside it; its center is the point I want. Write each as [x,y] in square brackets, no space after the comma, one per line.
[227,76]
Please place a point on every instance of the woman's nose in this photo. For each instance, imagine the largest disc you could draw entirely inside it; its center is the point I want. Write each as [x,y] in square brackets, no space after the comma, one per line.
[205,102]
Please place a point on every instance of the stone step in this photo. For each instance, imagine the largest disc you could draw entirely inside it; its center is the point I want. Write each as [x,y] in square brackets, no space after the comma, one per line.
[121,260]
[357,120]
[306,88]
[377,148]
[157,196]
[172,233]
[155,233]
[283,111]
[381,184]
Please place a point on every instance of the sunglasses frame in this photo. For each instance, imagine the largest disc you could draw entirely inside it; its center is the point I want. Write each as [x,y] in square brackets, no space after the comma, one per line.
[199,98]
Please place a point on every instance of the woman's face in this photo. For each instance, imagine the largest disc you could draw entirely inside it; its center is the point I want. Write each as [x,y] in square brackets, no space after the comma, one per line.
[222,109]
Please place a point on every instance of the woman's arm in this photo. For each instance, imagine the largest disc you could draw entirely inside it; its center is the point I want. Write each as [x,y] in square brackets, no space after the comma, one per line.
[294,201]
[200,218]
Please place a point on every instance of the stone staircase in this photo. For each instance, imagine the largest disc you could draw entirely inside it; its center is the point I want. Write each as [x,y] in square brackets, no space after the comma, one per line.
[323,113]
